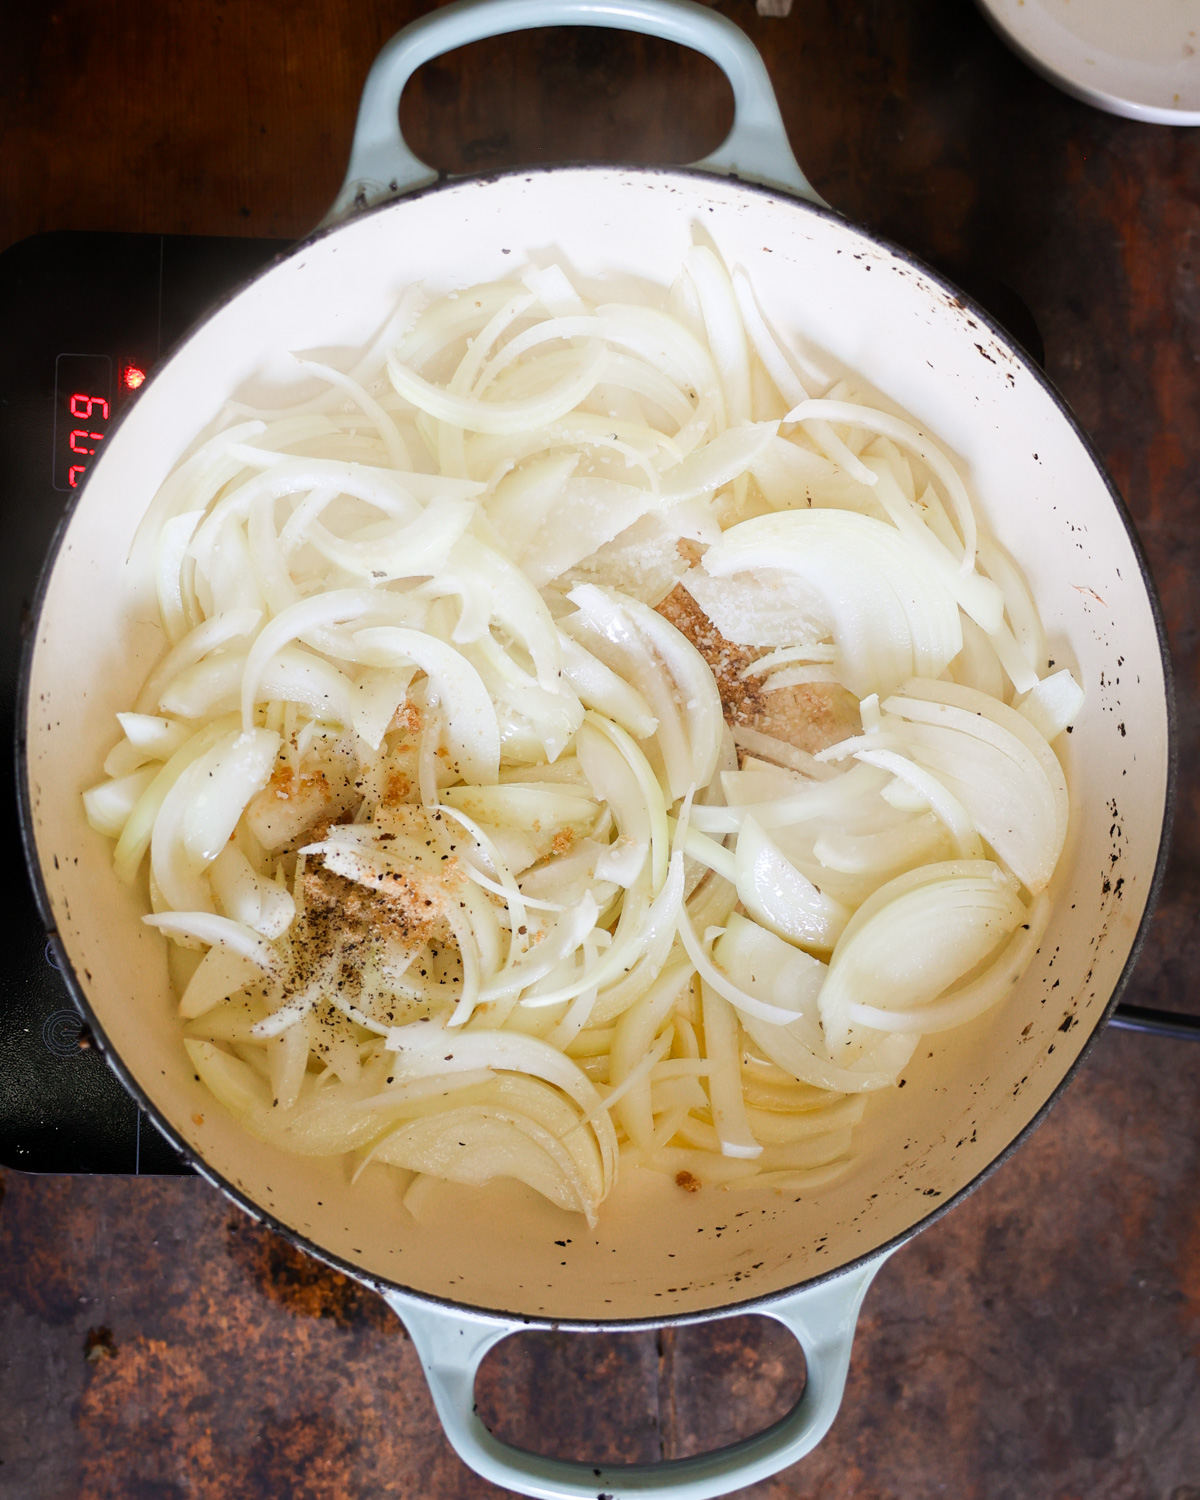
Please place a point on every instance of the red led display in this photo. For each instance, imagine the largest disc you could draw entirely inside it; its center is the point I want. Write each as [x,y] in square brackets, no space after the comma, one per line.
[76,445]
[83,406]
[132,377]
[82,409]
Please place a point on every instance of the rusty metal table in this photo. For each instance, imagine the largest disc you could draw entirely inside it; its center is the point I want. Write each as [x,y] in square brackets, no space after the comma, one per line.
[1041,1342]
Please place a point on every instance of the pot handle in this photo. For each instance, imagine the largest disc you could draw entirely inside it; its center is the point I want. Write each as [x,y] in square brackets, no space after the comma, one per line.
[383,167]
[452,1345]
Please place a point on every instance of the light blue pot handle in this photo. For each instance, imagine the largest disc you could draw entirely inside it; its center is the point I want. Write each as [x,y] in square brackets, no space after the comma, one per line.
[452,1346]
[383,167]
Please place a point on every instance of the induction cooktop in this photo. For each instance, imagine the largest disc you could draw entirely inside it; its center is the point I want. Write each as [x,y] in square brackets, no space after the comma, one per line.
[84,318]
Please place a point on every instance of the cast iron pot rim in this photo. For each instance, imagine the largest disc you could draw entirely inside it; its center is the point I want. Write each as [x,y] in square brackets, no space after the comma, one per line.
[728,1309]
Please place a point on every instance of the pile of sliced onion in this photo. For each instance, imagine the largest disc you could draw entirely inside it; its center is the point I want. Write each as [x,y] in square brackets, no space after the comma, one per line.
[464,872]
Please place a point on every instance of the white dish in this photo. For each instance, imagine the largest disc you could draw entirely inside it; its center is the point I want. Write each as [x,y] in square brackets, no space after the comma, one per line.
[1137,58]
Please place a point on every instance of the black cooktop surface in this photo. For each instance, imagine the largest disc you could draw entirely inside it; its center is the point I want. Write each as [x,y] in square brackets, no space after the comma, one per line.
[84,318]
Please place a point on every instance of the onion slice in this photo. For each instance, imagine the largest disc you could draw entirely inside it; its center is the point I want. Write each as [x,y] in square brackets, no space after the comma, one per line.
[470,715]
[914,937]
[672,676]
[892,616]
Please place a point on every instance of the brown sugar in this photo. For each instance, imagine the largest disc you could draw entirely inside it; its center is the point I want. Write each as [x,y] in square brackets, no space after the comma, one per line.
[286,784]
[397,787]
[811,716]
[407,718]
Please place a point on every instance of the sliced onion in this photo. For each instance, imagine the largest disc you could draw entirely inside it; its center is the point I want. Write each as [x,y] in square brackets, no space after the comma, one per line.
[173,543]
[424,1048]
[535,723]
[783,754]
[780,897]
[147,737]
[109,805]
[593,453]
[791,476]
[1053,705]
[719,462]
[838,797]
[397,452]
[500,416]
[557,942]
[638,1075]
[530,807]
[631,1045]
[333,608]
[381,488]
[478,1143]
[136,834]
[977,665]
[524,497]
[724,328]
[379,693]
[587,514]
[197,479]
[662,341]
[708,852]
[936,794]
[914,841]
[669,672]
[747,1004]
[914,938]
[599,687]
[552,287]
[177,877]
[892,617]
[978,596]
[292,676]
[220,973]
[651,795]
[777,972]
[470,716]
[634,935]
[907,436]
[412,550]
[999,767]
[1028,635]
[774,360]
[971,1000]
[218,932]
[809,655]
[613,781]
[460,315]
[492,589]
[724,1080]
[777,1129]
[224,580]
[224,780]
[250,898]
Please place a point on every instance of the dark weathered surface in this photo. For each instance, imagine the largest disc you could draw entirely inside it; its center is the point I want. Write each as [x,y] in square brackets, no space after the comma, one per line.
[1040,1343]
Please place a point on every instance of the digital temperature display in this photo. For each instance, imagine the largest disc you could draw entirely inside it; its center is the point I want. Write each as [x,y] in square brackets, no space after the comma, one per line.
[83,406]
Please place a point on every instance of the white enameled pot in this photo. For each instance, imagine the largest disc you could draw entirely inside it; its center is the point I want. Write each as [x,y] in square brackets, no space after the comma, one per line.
[495,1260]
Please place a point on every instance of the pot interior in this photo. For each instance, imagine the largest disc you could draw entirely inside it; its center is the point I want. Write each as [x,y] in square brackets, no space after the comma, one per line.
[848,304]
